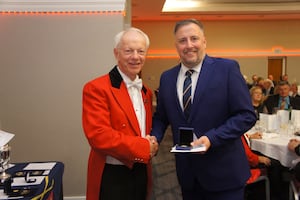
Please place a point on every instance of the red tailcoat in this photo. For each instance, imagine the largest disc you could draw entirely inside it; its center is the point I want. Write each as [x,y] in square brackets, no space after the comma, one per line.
[111,127]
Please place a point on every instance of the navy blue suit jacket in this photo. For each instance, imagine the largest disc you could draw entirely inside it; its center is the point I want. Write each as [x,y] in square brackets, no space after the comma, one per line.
[221,110]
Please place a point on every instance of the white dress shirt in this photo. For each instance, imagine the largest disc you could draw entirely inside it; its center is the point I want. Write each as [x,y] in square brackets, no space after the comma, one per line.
[180,81]
[134,90]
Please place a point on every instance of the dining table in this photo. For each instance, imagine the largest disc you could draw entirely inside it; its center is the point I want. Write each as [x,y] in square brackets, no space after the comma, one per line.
[275,145]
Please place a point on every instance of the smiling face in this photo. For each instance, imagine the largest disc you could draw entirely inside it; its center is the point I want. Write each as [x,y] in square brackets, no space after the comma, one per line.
[131,53]
[190,43]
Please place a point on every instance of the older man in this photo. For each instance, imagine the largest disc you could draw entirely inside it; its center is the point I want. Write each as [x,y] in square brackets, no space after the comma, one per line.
[117,119]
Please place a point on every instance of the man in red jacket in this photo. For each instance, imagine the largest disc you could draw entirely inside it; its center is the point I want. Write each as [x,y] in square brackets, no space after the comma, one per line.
[117,119]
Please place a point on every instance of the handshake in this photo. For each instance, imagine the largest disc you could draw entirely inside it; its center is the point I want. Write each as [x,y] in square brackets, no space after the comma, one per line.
[153,145]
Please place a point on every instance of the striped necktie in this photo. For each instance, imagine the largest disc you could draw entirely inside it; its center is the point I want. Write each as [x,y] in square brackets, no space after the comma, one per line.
[187,92]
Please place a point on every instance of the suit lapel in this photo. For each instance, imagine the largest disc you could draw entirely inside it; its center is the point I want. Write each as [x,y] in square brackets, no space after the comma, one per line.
[207,71]
[121,95]
[173,87]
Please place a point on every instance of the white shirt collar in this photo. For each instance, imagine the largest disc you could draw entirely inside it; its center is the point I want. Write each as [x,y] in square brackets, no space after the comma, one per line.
[126,79]
[196,68]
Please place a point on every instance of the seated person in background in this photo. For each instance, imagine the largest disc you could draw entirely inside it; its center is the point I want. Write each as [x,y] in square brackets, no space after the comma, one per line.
[253,158]
[260,83]
[282,100]
[254,80]
[268,87]
[258,165]
[249,85]
[284,77]
[294,90]
[257,98]
[263,165]
[294,146]
[270,76]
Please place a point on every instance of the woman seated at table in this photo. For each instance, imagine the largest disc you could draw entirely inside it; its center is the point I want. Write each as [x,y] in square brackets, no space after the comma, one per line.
[258,98]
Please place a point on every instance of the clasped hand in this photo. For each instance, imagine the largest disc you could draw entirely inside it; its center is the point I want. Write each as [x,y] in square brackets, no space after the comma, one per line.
[153,145]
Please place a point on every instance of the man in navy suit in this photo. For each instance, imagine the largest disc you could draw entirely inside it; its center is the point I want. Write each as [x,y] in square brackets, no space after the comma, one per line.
[221,112]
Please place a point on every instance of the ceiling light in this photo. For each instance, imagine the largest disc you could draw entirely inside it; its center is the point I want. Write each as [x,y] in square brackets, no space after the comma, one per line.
[179,5]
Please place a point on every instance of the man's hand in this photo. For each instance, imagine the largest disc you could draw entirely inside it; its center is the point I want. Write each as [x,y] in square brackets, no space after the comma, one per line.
[257,135]
[265,160]
[153,145]
[203,140]
[293,143]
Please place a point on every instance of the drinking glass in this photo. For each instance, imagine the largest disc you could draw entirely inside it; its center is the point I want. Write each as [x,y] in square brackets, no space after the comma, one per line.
[260,126]
[4,161]
[291,129]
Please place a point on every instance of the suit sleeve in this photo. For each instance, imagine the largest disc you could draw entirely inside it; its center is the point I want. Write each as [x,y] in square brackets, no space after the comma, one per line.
[233,109]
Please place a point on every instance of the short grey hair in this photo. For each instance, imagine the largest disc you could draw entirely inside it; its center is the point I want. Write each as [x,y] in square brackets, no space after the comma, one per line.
[119,36]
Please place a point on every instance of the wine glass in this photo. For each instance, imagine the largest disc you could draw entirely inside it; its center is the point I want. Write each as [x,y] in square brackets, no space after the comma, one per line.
[260,126]
[291,129]
[4,162]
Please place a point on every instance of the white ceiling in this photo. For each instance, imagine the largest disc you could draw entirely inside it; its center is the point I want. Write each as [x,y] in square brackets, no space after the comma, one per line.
[151,10]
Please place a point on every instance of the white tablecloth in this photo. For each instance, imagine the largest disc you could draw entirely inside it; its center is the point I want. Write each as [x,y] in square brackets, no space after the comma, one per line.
[275,146]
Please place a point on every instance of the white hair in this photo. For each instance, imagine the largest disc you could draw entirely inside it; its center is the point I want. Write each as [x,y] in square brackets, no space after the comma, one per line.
[119,36]
[270,81]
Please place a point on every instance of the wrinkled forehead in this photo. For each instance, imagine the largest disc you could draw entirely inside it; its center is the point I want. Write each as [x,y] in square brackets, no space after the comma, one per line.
[133,39]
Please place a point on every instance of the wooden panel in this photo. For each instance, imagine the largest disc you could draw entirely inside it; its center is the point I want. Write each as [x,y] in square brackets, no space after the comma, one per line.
[275,67]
